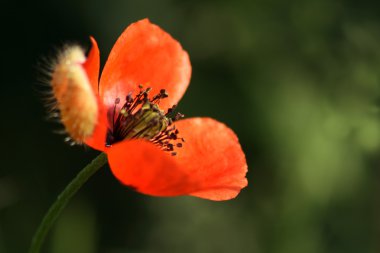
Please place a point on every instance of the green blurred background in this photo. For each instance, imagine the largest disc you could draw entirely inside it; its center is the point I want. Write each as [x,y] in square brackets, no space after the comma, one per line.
[298,81]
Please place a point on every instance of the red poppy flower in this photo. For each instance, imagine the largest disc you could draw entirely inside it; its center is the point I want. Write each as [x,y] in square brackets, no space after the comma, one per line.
[129,115]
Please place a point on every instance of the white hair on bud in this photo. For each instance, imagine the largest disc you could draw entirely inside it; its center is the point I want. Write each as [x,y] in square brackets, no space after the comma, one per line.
[74,98]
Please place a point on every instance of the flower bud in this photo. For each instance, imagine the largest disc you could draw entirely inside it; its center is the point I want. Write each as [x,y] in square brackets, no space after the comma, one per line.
[76,100]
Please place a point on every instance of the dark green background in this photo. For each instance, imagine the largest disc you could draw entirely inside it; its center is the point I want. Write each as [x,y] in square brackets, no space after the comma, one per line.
[298,81]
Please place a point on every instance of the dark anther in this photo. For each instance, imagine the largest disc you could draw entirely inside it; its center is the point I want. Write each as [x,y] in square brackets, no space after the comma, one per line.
[179,145]
[174,153]
[117,100]
[163,93]
[129,98]
[173,136]
[171,109]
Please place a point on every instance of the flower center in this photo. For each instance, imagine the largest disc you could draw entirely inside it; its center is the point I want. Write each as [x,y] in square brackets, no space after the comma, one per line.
[141,117]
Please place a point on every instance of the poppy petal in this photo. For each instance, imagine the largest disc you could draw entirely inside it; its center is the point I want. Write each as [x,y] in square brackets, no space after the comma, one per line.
[92,65]
[145,54]
[98,139]
[210,164]
[212,154]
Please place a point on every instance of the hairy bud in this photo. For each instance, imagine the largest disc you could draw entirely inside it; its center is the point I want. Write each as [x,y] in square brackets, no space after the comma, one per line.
[76,100]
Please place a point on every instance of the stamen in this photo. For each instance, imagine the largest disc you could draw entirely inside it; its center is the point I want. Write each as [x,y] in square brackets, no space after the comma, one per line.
[141,117]
[129,98]
[170,110]
[117,101]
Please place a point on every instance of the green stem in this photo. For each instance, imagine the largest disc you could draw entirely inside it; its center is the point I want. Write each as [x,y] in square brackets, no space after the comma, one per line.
[62,200]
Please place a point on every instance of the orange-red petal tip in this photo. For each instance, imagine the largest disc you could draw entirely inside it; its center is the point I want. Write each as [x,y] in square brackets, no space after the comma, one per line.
[92,65]
[145,54]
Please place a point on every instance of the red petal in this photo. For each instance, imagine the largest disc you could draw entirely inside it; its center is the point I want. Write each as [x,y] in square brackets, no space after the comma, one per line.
[92,65]
[98,138]
[213,155]
[145,54]
[211,163]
